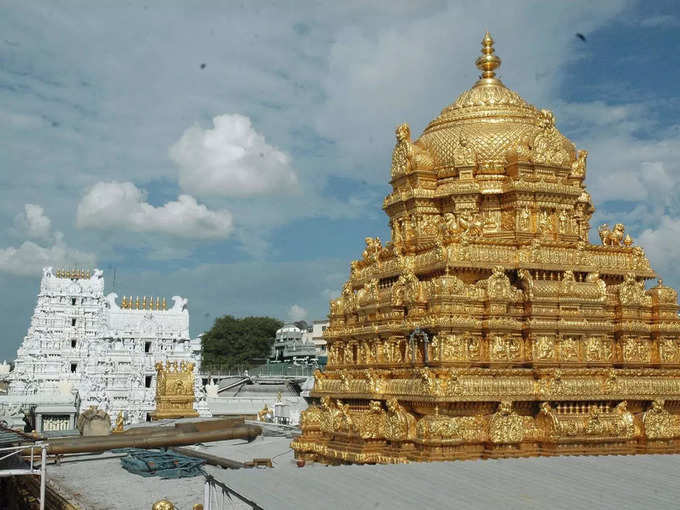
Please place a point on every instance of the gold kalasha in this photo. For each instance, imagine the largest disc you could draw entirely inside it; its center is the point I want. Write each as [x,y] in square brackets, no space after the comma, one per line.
[74,274]
[489,326]
[131,303]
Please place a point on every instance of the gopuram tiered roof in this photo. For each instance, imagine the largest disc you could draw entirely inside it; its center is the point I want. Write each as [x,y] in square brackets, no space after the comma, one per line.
[489,325]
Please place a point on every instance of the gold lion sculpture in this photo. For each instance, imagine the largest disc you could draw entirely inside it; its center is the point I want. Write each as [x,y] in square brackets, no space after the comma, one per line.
[611,237]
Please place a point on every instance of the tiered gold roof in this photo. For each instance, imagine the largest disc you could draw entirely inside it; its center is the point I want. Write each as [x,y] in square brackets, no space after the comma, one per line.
[489,325]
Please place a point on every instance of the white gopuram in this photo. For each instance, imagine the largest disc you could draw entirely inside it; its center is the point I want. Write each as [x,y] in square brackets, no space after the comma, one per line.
[104,350]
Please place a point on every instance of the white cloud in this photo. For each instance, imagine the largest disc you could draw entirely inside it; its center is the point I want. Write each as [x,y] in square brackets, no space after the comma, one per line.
[661,245]
[231,159]
[20,121]
[297,313]
[410,69]
[33,223]
[662,20]
[121,205]
[631,178]
[329,294]
[29,258]
[623,166]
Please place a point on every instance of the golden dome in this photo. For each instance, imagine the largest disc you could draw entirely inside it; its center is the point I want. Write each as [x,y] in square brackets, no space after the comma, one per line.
[491,119]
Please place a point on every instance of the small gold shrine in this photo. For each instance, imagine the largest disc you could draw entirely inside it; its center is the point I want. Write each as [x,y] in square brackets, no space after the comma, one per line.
[174,390]
[489,326]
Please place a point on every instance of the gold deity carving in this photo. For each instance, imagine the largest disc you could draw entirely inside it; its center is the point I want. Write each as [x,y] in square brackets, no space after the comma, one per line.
[407,156]
[175,395]
[611,237]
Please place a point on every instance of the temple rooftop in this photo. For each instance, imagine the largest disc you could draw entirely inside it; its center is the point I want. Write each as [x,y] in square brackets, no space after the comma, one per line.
[544,482]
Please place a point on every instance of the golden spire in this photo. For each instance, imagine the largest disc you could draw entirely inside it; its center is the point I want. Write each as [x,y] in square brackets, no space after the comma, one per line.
[488,62]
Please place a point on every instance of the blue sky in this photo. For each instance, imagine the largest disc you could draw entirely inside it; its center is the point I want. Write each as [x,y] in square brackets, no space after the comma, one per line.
[237,153]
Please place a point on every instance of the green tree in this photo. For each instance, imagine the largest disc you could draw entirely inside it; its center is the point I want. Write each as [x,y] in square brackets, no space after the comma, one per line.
[233,342]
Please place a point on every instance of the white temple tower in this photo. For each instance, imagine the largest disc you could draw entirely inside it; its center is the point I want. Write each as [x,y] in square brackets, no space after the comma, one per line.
[103,351]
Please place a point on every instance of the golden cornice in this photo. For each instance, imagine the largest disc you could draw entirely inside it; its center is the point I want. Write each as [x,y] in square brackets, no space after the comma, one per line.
[472,384]
[599,259]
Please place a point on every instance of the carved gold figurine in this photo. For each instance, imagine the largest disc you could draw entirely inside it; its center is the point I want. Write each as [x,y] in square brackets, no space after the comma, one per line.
[174,390]
[489,326]
[120,423]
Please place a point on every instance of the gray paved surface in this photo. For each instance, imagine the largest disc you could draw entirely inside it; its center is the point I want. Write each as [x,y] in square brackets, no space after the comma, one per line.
[622,482]
[97,482]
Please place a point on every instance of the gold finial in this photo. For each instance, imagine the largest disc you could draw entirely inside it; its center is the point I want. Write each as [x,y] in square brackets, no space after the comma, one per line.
[137,303]
[165,305]
[123,303]
[488,62]
[144,303]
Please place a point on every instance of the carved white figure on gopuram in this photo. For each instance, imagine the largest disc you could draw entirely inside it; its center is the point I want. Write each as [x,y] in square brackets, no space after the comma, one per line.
[489,325]
[102,347]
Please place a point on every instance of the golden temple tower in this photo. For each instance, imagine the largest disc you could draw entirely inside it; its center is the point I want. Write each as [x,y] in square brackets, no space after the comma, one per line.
[489,326]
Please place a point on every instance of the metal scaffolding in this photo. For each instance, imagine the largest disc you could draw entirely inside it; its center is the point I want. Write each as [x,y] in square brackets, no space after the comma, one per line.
[217,496]
[11,464]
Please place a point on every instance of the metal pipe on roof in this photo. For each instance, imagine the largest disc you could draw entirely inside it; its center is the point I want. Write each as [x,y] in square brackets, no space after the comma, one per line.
[174,437]
[213,460]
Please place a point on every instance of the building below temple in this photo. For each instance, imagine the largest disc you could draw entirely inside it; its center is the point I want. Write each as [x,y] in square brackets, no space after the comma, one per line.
[86,349]
[300,344]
